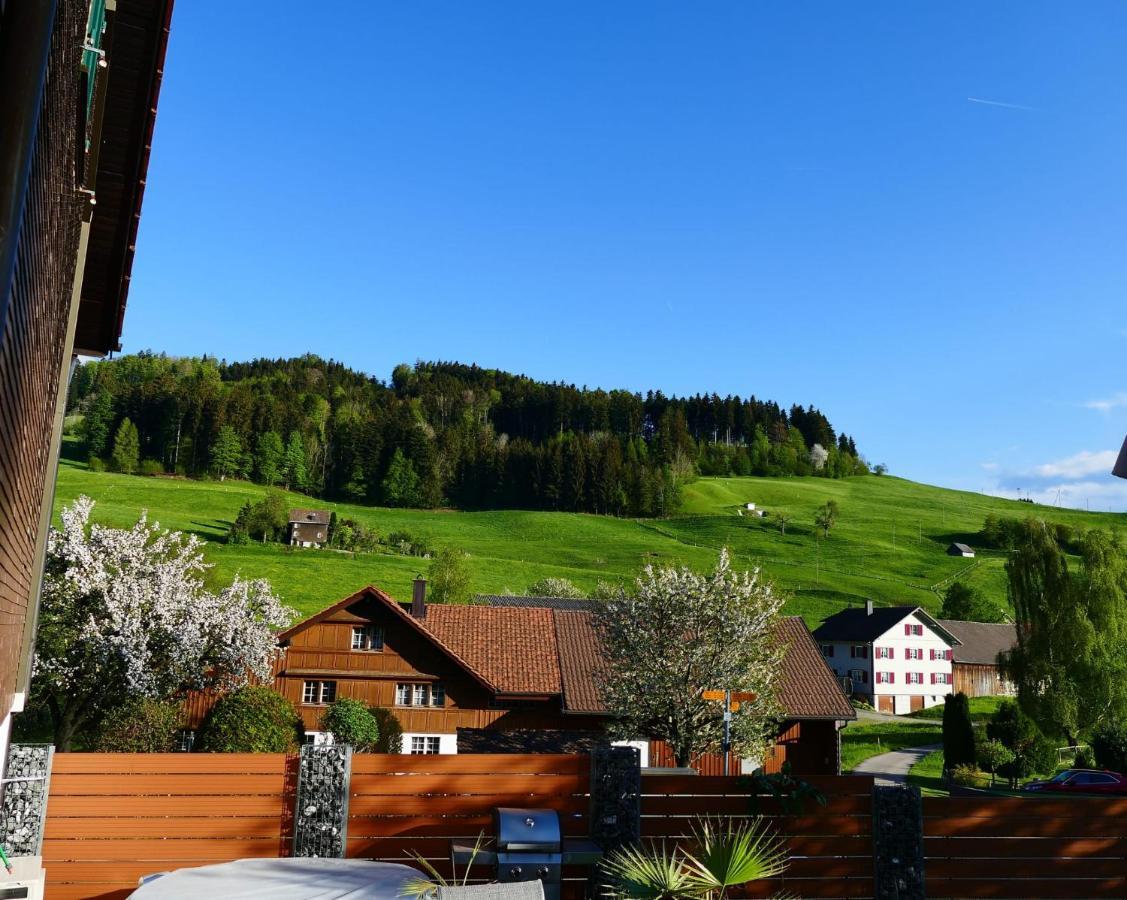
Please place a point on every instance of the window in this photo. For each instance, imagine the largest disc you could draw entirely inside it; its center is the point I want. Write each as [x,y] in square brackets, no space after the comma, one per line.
[910,629]
[884,678]
[914,653]
[886,652]
[915,677]
[420,693]
[940,678]
[827,650]
[424,744]
[859,675]
[859,651]
[367,637]
[321,692]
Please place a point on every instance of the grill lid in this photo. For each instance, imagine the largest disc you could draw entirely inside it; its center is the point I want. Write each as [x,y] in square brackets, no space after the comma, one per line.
[535,830]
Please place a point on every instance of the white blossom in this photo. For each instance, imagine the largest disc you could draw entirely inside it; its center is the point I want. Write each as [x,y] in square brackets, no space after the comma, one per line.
[681,634]
[125,613]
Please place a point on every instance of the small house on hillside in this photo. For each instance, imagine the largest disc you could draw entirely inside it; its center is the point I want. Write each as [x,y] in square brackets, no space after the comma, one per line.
[308,528]
[957,549]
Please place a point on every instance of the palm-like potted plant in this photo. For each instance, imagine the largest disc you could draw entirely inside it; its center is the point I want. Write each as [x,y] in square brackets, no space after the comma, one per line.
[720,856]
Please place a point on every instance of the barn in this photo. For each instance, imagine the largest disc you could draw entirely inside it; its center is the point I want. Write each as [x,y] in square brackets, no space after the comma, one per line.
[974,663]
[957,549]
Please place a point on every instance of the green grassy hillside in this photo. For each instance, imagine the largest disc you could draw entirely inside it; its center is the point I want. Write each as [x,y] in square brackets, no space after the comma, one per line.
[888,545]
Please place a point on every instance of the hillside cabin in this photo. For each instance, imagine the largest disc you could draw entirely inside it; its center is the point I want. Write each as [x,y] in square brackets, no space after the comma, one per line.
[495,674]
[957,549]
[898,658]
[975,659]
[308,528]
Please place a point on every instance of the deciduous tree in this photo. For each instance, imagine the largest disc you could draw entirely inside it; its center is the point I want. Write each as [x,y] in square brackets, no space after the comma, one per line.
[125,615]
[450,576]
[226,453]
[681,633]
[826,517]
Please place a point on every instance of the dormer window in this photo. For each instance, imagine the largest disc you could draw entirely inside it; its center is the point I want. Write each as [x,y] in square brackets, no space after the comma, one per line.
[367,637]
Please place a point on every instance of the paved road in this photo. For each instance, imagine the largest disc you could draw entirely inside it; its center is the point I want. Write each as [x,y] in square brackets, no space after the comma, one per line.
[892,768]
[866,715]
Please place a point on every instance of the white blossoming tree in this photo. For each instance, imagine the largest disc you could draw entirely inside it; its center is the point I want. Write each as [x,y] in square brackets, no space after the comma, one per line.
[680,634]
[125,614]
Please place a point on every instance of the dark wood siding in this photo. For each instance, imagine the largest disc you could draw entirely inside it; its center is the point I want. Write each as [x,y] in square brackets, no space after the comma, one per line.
[33,337]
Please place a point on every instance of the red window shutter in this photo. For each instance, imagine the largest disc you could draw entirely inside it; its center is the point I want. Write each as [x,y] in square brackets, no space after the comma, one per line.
[947,654]
[864,678]
[907,628]
[892,678]
[933,678]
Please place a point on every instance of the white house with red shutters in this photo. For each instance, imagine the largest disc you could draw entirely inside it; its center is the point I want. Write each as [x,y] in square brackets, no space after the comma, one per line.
[898,658]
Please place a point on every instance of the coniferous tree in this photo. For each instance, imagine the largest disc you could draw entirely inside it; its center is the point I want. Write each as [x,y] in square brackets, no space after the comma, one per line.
[401,483]
[126,454]
[294,463]
[96,423]
[226,453]
[958,733]
[269,458]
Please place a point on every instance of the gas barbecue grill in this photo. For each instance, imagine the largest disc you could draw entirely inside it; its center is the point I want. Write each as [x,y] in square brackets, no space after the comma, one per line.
[529,846]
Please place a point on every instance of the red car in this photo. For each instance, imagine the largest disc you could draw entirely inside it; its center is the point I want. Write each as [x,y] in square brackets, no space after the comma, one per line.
[1081,781]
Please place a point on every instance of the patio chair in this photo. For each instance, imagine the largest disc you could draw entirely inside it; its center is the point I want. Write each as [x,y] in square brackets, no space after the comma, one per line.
[513,890]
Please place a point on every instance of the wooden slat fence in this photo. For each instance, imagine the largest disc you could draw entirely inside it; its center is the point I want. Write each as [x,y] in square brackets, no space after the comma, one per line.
[1029,848]
[113,817]
[402,804]
[830,847]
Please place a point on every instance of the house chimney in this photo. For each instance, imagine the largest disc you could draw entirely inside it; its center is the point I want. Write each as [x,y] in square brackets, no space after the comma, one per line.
[868,607]
[419,598]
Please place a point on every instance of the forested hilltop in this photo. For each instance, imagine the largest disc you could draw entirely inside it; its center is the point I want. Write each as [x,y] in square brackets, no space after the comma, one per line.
[437,434]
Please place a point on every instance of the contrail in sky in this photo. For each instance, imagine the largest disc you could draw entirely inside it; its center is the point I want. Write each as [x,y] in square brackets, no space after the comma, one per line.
[1005,105]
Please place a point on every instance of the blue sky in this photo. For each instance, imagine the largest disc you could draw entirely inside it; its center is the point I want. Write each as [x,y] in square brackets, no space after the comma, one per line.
[908,214]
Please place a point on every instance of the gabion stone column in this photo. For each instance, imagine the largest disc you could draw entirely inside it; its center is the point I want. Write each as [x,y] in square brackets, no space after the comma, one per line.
[321,810]
[24,806]
[898,842]
[616,797]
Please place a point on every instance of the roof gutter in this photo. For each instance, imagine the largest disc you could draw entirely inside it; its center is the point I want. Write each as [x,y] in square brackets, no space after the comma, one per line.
[25,46]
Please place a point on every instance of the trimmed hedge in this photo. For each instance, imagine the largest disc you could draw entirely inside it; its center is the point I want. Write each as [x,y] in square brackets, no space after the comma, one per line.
[140,726]
[350,722]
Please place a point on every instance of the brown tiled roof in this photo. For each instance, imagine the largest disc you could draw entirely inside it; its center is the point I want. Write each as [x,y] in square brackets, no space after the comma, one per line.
[807,687]
[512,648]
[580,659]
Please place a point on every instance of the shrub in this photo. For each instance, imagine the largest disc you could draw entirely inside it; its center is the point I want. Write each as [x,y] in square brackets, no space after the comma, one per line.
[391,730]
[96,464]
[253,719]
[141,726]
[1033,752]
[958,733]
[969,776]
[350,722]
[1109,747]
[555,587]
[151,467]
[992,756]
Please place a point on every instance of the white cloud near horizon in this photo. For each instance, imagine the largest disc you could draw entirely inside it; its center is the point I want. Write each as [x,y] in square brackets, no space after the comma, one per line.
[1078,465]
[1107,404]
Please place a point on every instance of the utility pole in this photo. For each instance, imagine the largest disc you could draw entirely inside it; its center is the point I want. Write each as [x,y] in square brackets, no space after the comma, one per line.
[732,700]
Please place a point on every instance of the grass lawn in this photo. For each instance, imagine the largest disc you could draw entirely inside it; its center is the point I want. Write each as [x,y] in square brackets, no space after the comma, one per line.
[861,740]
[981,709]
[927,775]
[889,544]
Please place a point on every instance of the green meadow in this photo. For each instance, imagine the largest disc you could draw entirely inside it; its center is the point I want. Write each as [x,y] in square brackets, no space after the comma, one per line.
[888,545]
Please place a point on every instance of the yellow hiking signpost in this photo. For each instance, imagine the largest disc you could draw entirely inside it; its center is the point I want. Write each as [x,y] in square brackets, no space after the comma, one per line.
[731,701]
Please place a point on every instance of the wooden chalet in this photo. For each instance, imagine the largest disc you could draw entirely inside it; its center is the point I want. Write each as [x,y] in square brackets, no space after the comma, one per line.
[975,661]
[454,675]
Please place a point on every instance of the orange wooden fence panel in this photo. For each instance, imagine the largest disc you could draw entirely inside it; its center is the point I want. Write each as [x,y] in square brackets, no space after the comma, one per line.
[113,817]
[1029,848]
[830,848]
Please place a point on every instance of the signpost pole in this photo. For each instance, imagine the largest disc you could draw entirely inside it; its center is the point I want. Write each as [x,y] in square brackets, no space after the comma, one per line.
[727,728]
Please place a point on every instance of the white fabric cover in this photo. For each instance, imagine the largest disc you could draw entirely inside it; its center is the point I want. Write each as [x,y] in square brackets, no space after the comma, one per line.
[282,879]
